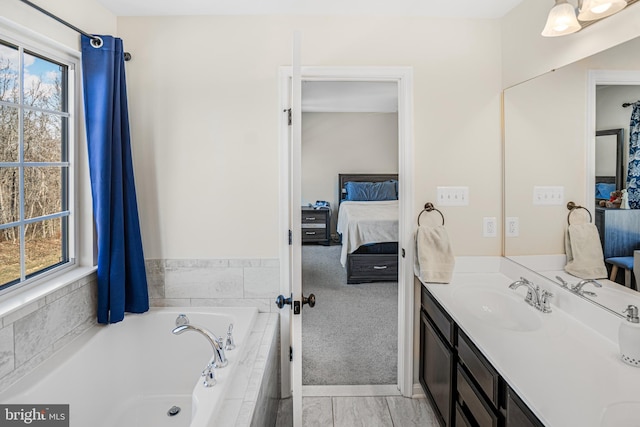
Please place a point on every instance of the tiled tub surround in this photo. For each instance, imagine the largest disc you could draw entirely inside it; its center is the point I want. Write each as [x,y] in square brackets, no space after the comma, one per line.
[247,389]
[569,370]
[34,332]
[214,283]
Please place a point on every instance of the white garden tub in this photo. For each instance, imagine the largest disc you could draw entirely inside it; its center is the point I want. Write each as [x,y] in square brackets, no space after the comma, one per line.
[131,373]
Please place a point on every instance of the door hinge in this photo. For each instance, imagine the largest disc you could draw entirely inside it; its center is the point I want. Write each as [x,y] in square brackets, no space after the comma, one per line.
[288,111]
[290,237]
[290,354]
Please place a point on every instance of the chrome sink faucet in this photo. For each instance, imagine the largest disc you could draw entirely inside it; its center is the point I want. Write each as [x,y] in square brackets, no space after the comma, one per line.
[219,359]
[535,297]
[577,288]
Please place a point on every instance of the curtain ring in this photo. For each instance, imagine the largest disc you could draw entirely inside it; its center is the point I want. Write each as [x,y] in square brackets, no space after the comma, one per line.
[96,42]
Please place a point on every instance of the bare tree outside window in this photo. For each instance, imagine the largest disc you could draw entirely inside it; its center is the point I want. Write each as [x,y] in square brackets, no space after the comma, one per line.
[33,164]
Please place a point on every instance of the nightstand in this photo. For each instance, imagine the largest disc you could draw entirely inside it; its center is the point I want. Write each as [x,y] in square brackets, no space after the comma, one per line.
[316,225]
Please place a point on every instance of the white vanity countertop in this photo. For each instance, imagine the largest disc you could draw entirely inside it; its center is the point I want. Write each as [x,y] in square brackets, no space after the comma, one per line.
[566,372]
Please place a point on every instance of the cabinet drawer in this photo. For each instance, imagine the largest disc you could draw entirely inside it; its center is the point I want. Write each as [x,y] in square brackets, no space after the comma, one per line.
[461,418]
[442,320]
[480,369]
[471,402]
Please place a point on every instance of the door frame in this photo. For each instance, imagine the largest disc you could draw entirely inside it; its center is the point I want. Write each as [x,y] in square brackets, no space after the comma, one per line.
[595,78]
[403,76]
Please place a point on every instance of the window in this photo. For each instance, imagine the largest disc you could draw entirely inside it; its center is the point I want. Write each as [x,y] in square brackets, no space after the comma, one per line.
[36,226]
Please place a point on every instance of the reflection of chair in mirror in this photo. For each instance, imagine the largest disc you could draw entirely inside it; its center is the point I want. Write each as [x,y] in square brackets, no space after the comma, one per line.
[626,262]
[636,265]
[619,231]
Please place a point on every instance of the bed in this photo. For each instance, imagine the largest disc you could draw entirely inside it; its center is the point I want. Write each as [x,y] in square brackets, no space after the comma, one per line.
[368,226]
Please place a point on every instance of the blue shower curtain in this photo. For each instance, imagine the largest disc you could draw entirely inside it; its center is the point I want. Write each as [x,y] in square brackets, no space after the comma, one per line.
[122,281]
[633,173]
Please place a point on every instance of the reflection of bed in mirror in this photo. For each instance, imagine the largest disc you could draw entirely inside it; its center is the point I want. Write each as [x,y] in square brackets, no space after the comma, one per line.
[368,225]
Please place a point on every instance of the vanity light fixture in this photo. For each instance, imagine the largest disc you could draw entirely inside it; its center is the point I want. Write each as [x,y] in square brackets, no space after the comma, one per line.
[596,9]
[562,20]
[565,19]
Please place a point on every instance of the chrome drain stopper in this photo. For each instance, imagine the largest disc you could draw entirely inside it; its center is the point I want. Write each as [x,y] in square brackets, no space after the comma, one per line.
[173,411]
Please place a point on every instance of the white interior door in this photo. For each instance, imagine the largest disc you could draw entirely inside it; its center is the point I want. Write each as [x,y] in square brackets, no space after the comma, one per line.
[296,250]
[291,300]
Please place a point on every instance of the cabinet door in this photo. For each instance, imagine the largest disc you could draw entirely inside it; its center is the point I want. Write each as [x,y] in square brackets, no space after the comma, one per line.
[436,370]
[518,415]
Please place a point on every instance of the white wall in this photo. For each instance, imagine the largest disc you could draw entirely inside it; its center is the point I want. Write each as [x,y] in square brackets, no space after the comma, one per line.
[334,143]
[526,54]
[204,110]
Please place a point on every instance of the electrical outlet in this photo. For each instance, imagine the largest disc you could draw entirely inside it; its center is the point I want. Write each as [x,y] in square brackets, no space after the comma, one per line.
[489,227]
[453,196]
[512,226]
[548,195]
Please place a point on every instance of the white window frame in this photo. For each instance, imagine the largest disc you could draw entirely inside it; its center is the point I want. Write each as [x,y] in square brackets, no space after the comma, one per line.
[81,248]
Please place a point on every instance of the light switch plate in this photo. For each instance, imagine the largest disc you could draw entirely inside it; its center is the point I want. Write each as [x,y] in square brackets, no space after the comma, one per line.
[548,195]
[453,196]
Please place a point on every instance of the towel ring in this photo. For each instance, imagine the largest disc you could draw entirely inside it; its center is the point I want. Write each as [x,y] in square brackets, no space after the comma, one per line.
[572,207]
[428,207]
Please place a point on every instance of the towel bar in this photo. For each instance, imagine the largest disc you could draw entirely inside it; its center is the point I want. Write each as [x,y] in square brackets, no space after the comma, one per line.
[572,207]
[428,207]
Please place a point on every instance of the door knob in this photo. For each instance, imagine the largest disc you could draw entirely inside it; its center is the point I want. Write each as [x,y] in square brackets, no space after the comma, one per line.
[311,300]
[281,301]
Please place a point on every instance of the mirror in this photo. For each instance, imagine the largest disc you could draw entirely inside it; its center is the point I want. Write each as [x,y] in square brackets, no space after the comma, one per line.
[552,156]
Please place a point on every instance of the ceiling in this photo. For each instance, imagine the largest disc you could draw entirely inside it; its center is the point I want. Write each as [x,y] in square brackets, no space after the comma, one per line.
[433,8]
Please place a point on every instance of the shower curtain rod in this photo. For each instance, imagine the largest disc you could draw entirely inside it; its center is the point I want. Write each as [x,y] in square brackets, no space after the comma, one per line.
[629,104]
[127,55]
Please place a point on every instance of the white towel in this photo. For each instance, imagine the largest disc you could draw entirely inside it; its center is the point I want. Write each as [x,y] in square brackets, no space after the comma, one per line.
[584,252]
[434,257]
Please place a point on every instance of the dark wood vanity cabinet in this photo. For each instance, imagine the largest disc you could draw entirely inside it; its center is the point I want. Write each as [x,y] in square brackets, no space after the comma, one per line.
[437,359]
[463,387]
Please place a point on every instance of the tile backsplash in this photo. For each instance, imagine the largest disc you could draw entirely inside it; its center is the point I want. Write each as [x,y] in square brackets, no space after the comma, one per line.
[214,282]
[34,332]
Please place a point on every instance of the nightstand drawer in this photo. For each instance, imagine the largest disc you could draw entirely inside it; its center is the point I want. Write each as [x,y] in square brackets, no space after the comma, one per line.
[314,234]
[318,216]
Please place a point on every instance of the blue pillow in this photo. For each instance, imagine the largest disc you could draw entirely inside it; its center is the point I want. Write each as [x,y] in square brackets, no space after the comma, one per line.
[370,191]
[603,190]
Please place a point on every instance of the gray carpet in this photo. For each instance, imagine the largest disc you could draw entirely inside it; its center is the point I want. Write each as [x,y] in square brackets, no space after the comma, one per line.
[351,336]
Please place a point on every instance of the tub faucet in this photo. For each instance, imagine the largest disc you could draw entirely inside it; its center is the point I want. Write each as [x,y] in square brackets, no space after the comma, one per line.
[577,288]
[219,359]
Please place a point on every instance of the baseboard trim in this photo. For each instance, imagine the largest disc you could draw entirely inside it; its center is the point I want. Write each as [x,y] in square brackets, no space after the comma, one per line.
[350,390]
[418,392]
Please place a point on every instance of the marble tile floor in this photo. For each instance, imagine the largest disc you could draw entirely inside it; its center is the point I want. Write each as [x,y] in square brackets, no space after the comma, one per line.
[389,411]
